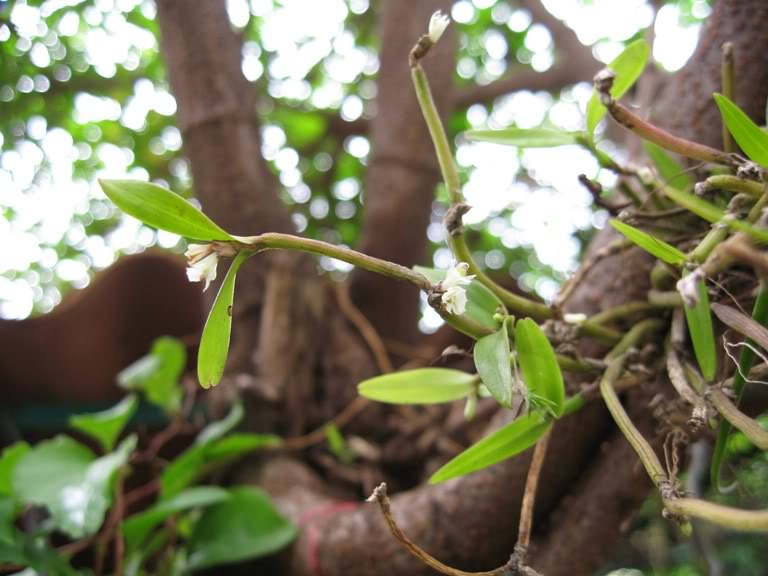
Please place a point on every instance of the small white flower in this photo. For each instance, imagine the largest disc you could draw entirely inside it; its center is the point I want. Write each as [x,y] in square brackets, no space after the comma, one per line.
[688,286]
[457,276]
[437,25]
[574,318]
[455,300]
[202,260]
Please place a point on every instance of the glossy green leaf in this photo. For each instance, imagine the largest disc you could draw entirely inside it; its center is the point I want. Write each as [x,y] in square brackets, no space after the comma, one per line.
[8,460]
[158,374]
[670,171]
[420,386]
[699,319]
[482,304]
[214,343]
[76,487]
[512,439]
[654,246]
[712,213]
[628,66]
[524,137]
[244,527]
[106,426]
[160,208]
[7,515]
[539,367]
[747,134]
[137,527]
[219,428]
[492,362]
[337,445]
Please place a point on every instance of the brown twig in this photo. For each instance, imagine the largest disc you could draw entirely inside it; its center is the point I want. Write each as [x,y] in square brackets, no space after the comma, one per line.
[529,496]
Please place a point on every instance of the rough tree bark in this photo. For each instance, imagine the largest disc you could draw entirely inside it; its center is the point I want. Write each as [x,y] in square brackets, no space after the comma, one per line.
[466,522]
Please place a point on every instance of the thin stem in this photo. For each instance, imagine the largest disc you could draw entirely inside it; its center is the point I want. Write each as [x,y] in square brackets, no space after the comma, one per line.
[647,131]
[529,496]
[743,520]
[751,429]
[628,309]
[728,86]
[637,334]
[631,433]
[274,240]
[712,240]
[734,184]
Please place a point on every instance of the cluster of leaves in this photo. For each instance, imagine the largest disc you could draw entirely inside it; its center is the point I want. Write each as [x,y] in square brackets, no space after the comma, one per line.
[190,525]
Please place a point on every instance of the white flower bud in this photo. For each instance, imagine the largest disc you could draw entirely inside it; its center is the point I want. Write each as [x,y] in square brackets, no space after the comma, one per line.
[202,260]
[437,25]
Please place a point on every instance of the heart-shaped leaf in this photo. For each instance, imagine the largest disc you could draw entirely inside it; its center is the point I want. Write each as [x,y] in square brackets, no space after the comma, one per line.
[214,343]
[699,319]
[245,526]
[492,362]
[160,208]
[525,137]
[515,437]
[420,386]
[106,426]
[653,246]
[538,363]
[628,66]
[747,134]
[137,527]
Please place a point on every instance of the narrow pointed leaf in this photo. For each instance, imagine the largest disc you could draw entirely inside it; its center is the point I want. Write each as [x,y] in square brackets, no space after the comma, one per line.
[482,304]
[160,208]
[106,426]
[670,171]
[421,386]
[628,66]
[712,213]
[653,246]
[492,362]
[524,137]
[512,439]
[539,366]
[214,343]
[748,135]
[699,319]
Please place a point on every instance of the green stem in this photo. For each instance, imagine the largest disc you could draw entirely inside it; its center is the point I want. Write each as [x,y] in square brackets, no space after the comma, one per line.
[734,184]
[644,451]
[712,240]
[628,309]
[751,429]
[637,334]
[744,520]
[746,359]
[274,240]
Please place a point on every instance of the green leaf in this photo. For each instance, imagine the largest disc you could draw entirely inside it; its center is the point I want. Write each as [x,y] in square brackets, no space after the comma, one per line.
[669,170]
[64,476]
[492,362]
[158,373]
[747,134]
[106,426]
[160,208]
[214,343]
[627,66]
[244,527]
[524,137]
[482,304]
[538,363]
[337,444]
[219,428]
[712,213]
[8,460]
[703,337]
[7,515]
[420,386]
[137,527]
[203,458]
[512,439]
[653,246]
